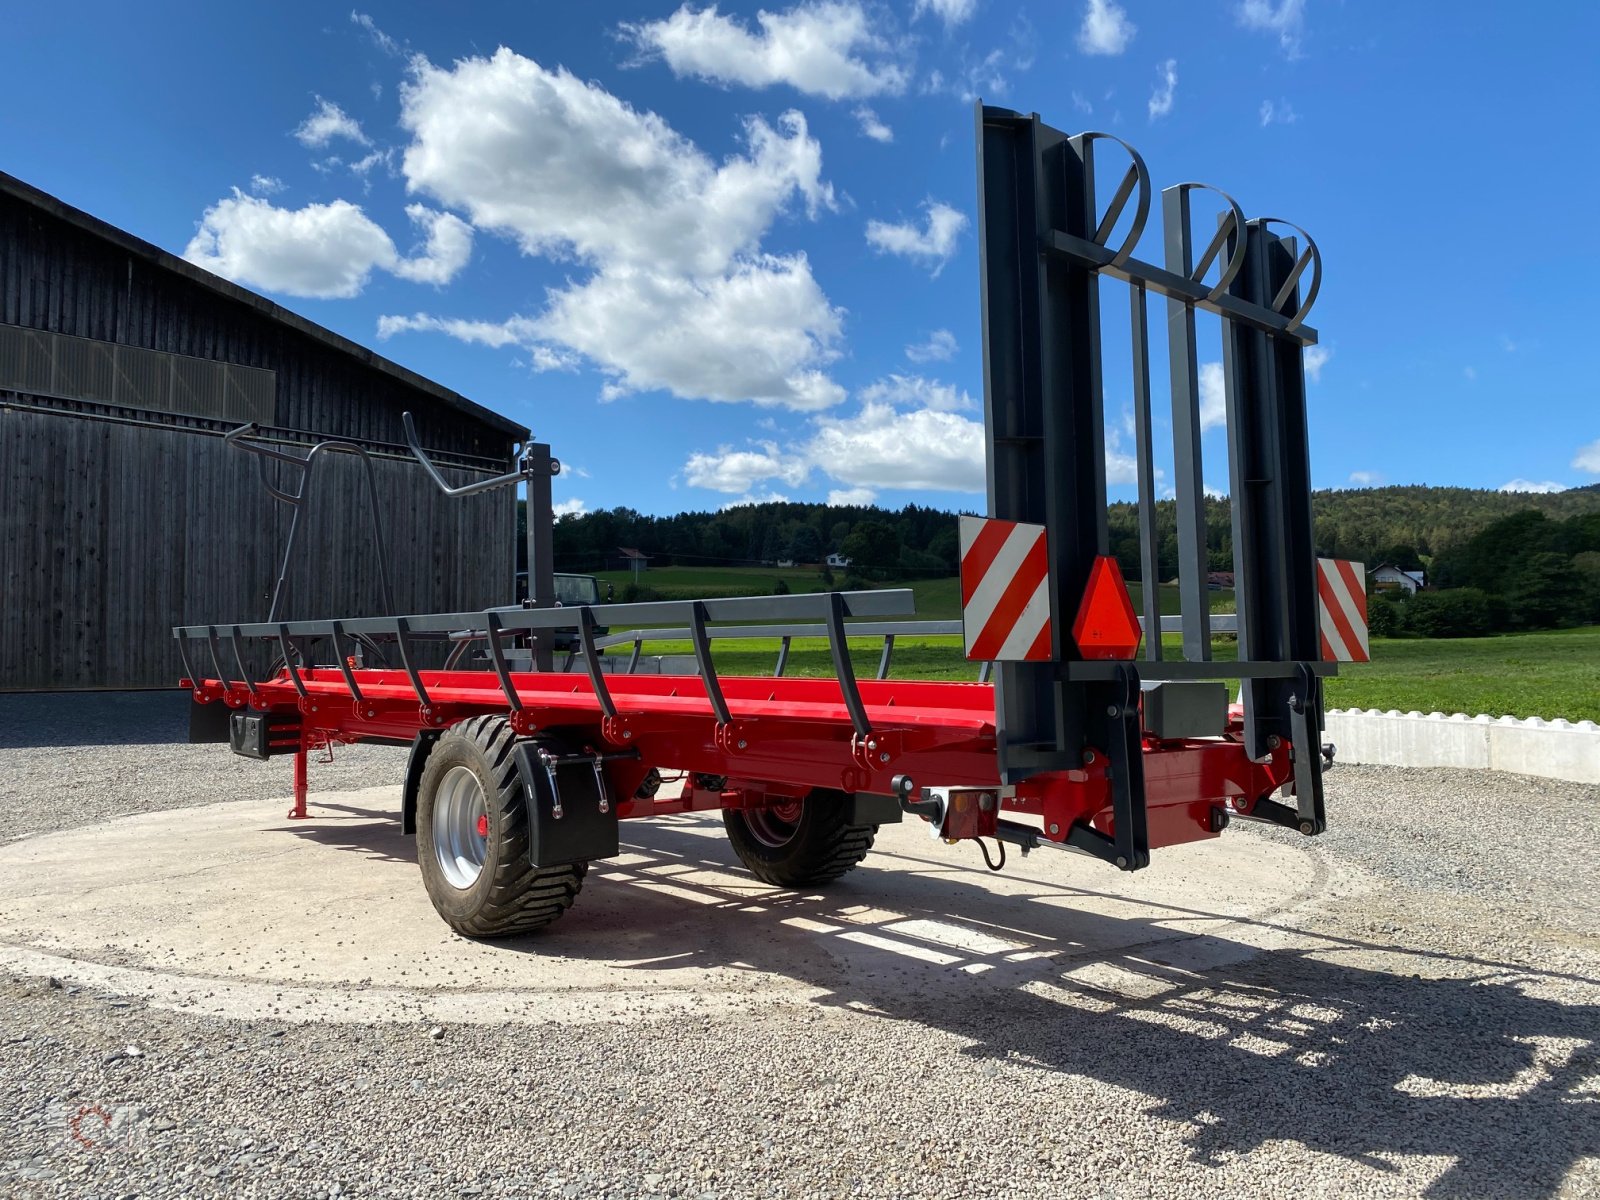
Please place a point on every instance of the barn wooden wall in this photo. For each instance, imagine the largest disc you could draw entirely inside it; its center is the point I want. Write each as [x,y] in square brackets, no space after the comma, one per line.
[118,522]
[60,278]
[111,533]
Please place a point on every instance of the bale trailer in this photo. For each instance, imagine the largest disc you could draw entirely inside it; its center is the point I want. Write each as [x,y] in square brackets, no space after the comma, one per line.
[523,760]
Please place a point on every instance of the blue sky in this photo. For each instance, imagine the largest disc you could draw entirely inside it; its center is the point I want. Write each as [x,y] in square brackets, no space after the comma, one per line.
[721,254]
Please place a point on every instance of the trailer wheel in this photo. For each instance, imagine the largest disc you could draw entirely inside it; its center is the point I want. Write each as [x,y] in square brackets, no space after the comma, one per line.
[799,843]
[472,837]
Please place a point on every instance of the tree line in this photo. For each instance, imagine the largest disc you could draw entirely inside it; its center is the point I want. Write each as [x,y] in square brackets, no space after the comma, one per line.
[1523,571]
[1408,527]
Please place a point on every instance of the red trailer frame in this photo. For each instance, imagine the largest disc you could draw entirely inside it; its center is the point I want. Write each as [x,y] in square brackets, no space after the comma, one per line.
[520,776]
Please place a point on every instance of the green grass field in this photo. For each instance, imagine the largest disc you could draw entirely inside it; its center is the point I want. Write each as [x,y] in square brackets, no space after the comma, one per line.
[1552,674]
[1548,674]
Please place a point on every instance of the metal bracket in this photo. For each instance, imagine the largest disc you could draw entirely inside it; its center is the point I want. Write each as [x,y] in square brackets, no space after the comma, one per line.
[1310,813]
[1125,770]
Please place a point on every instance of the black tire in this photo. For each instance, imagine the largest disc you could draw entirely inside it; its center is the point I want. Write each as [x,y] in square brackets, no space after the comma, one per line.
[817,846]
[508,895]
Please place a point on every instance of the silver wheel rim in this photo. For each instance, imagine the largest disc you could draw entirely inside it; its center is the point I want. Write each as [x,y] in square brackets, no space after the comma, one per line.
[774,827]
[460,810]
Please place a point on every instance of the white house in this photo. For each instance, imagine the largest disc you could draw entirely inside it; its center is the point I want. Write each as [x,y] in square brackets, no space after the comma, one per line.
[838,560]
[1389,578]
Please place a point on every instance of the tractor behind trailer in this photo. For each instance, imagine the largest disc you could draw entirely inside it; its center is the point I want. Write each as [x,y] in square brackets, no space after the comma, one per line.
[524,761]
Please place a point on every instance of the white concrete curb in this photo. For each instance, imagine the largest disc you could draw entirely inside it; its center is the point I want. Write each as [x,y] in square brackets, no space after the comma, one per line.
[1556,749]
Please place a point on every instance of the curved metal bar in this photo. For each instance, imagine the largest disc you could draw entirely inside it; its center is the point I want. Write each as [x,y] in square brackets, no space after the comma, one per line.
[783,657]
[300,499]
[888,653]
[520,475]
[1139,174]
[235,438]
[498,657]
[402,634]
[843,668]
[633,658]
[1312,256]
[272,490]
[238,657]
[288,660]
[1234,225]
[702,657]
[597,677]
[183,657]
[459,650]
[216,659]
[336,629]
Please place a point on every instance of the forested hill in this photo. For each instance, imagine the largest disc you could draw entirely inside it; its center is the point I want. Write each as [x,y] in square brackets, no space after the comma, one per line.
[1363,523]
[1404,525]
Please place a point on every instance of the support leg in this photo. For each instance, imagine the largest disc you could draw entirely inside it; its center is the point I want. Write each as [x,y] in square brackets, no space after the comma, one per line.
[301,785]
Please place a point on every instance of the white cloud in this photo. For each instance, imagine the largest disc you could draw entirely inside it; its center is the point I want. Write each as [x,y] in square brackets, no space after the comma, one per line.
[749,498]
[513,332]
[446,250]
[933,245]
[266,185]
[1315,358]
[680,296]
[1213,493]
[1081,103]
[1588,458]
[1366,478]
[569,508]
[1286,18]
[913,391]
[321,250]
[732,471]
[378,157]
[1166,83]
[746,335]
[1105,29]
[881,446]
[1528,485]
[329,121]
[951,12]
[940,347]
[1279,113]
[1213,397]
[842,497]
[872,127]
[821,49]
[379,38]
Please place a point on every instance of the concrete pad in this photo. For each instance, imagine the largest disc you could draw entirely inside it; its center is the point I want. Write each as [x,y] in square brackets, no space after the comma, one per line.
[230,909]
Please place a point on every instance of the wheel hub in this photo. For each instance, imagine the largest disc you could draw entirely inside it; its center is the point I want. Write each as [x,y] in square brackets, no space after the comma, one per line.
[776,824]
[460,827]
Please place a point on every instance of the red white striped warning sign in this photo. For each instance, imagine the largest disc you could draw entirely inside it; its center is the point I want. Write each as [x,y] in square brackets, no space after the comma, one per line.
[1342,606]
[1005,591]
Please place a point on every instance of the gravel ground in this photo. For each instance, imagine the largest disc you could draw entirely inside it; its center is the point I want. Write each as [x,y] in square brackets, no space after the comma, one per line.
[1429,1027]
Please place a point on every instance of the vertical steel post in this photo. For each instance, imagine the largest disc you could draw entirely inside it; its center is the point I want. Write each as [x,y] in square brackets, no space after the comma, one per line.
[302,784]
[1149,546]
[1044,429]
[1269,464]
[1188,477]
[540,469]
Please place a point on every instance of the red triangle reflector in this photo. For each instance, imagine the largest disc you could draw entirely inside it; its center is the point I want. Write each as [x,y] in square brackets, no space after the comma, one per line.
[1107,625]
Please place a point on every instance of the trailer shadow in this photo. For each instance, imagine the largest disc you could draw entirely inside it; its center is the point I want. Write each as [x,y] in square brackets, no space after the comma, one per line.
[1360,1050]
[374,834]
[1363,1049]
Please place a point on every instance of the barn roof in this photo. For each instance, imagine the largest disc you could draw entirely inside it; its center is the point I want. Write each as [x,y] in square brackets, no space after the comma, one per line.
[28,194]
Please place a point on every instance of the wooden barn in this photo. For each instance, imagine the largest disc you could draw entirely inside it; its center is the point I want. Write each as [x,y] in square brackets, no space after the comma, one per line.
[123,511]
